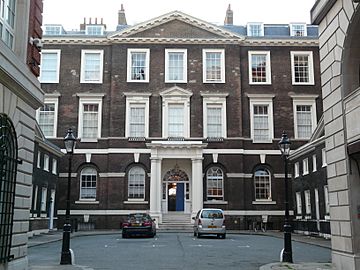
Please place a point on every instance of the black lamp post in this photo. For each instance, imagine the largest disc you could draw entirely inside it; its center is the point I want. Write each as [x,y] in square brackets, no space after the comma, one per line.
[70,142]
[284,146]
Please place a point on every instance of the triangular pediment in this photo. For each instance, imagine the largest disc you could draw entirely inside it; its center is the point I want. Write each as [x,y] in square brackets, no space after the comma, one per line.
[175,25]
[176,91]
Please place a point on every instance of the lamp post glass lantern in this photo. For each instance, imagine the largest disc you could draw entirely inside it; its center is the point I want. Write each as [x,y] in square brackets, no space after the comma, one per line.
[66,253]
[284,146]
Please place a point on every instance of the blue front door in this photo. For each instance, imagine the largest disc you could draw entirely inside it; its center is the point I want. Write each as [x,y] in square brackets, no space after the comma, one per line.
[180,197]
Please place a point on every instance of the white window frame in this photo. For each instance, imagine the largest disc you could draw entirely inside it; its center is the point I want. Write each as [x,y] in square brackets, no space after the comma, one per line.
[35,210]
[222,65]
[101,71]
[6,27]
[326,199]
[81,198]
[54,166]
[269,189]
[267,68]
[137,100]
[215,101]
[296,169]
[267,100]
[307,202]
[38,162]
[249,32]
[167,52]
[57,72]
[210,197]
[143,183]
[46,162]
[89,99]
[314,163]
[305,166]
[58,29]
[311,67]
[147,63]
[323,156]
[306,100]
[43,199]
[88,27]
[293,25]
[55,101]
[298,203]
[178,98]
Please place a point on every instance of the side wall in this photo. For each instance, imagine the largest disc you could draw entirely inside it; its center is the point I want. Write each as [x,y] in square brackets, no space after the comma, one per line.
[334,20]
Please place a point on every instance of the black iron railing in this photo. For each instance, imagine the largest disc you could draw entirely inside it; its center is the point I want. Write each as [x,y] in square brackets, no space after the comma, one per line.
[8,168]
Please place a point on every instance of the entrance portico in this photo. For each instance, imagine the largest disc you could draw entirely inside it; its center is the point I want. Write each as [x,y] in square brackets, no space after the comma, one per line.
[176,182]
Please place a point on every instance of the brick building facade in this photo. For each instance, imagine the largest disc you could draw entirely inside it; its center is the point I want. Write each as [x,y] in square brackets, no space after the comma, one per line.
[310,187]
[175,114]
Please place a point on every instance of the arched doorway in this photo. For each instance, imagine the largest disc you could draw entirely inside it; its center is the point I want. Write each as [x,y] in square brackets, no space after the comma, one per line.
[176,189]
[8,168]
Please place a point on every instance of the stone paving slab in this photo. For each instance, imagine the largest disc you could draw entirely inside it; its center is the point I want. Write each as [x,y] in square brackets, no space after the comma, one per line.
[298,266]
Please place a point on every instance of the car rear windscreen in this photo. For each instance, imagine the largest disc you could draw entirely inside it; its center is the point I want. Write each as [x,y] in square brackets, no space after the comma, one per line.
[212,214]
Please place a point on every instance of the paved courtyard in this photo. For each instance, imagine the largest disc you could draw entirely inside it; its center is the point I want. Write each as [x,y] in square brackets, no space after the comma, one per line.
[173,251]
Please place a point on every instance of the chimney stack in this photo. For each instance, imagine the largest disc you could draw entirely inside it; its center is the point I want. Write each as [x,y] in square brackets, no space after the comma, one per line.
[229,16]
[121,16]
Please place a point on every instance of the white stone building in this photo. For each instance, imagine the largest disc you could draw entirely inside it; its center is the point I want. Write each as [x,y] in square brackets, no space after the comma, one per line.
[339,30]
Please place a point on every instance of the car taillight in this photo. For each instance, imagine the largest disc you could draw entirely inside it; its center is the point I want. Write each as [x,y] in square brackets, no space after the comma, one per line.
[147,223]
[125,225]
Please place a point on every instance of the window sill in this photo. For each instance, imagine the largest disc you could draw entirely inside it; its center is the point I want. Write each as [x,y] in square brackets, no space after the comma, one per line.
[96,82]
[215,202]
[138,81]
[136,202]
[305,173]
[298,217]
[88,140]
[175,81]
[264,202]
[214,82]
[308,217]
[327,217]
[268,141]
[87,202]
[259,83]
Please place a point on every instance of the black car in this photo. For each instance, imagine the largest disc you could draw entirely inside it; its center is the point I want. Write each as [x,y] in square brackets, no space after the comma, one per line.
[139,224]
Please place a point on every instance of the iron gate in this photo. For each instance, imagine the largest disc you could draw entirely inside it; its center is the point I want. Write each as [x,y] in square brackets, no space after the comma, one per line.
[8,168]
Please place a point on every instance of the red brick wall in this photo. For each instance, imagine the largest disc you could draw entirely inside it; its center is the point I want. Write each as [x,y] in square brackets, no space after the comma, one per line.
[35,31]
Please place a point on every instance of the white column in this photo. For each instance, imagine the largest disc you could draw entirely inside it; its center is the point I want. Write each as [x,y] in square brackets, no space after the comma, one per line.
[197,185]
[155,187]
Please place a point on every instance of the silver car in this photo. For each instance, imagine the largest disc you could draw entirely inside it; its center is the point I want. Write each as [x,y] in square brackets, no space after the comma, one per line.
[210,221]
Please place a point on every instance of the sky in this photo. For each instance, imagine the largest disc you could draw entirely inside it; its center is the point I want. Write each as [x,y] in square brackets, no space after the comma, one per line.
[70,13]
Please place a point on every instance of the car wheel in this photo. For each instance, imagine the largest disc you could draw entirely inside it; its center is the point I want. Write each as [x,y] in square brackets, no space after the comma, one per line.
[198,235]
[219,236]
[224,236]
[124,235]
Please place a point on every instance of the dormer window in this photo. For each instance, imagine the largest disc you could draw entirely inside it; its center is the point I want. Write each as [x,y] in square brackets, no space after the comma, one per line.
[298,30]
[94,30]
[53,30]
[255,29]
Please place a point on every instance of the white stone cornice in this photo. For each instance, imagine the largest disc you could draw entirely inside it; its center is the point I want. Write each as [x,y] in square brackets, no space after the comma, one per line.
[90,95]
[137,94]
[303,96]
[260,96]
[208,94]
[281,42]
